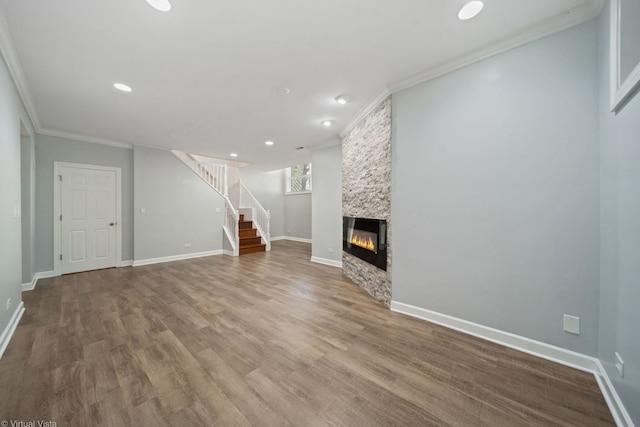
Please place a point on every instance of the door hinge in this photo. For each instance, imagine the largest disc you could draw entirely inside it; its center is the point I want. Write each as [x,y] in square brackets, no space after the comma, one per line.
[60,177]
[60,217]
[60,257]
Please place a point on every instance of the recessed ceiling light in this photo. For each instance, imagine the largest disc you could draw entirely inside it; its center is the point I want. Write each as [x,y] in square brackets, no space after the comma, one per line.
[161,5]
[122,87]
[327,123]
[341,100]
[470,10]
[234,154]
[268,143]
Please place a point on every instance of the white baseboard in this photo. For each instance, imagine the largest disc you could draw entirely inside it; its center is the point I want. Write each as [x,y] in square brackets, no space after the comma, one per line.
[126,263]
[11,328]
[618,411]
[175,258]
[507,339]
[325,261]
[291,238]
[26,287]
[526,345]
[227,252]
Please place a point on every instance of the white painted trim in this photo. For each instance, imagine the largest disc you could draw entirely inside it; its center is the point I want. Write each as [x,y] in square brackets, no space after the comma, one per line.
[45,275]
[8,52]
[545,351]
[176,258]
[127,263]
[296,239]
[573,17]
[85,138]
[293,239]
[618,411]
[56,209]
[621,91]
[558,23]
[228,252]
[364,111]
[11,328]
[325,261]
[26,287]
[507,339]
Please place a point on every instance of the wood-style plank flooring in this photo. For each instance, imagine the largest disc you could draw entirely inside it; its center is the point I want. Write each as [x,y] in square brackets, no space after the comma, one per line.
[267,339]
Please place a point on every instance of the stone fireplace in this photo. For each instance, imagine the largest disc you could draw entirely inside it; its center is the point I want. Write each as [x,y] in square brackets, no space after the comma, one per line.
[366,194]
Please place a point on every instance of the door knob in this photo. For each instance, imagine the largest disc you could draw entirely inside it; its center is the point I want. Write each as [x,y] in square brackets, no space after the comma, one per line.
[112,224]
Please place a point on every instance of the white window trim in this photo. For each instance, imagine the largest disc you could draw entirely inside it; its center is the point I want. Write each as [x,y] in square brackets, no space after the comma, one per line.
[287,183]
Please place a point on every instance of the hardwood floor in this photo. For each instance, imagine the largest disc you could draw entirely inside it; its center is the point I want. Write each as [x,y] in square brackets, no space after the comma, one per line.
[266,339]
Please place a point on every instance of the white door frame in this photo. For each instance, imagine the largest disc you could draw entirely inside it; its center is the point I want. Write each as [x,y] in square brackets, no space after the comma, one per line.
[57,194]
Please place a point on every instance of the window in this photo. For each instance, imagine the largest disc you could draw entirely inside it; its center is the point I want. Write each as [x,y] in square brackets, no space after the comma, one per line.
[299,179]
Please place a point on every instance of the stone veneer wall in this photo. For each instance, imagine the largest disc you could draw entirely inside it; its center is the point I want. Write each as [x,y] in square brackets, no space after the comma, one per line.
[366,192]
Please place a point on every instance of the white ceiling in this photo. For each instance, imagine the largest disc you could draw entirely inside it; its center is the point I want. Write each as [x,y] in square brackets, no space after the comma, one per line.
[207,76]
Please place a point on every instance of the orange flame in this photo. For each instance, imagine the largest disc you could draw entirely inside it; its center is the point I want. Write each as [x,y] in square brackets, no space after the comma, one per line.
[363,242]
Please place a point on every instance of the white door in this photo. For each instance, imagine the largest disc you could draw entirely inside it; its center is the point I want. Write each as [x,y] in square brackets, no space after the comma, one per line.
[88,219]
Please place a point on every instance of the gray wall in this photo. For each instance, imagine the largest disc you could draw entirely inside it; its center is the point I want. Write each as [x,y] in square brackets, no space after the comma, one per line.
[297,215]
[496,194]
[50,149]
[28,183]
[620,235]
[326,203]
[180,208]
[10,198]
[268,189]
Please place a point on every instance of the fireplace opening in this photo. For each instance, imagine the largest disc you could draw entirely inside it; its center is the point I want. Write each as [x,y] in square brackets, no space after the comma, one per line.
[366,239]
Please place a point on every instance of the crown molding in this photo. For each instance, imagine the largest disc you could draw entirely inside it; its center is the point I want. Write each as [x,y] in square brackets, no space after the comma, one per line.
[569,19]
[364,111]
[83,138]
[10,56]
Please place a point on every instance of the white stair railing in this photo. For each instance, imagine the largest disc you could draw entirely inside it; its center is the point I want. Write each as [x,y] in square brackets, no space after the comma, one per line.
[235,196]
[260,216]
[231,226]
[215,174]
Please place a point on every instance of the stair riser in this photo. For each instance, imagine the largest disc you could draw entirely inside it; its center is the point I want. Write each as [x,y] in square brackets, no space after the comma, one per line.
[253,249]
[245,224]
[249,241]
[247,232]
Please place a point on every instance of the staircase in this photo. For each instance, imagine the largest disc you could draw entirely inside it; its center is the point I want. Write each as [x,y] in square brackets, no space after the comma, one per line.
[250,241]
[241,234]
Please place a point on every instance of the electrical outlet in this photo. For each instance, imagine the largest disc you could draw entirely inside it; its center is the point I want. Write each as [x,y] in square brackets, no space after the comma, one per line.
[619,365]
[571,324]
[330,250]
[218,210]
[187,245]
[8,304]
[143,210]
